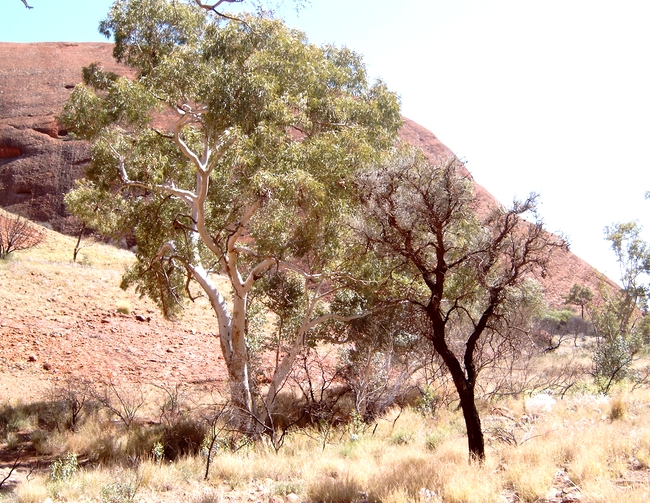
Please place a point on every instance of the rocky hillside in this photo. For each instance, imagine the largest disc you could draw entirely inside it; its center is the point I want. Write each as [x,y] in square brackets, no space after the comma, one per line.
[39,163]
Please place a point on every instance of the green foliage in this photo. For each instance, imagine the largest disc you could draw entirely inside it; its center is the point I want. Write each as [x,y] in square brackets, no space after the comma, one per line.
[613,360]
[434,440]
[621,324]
[579,296]
[285,488]
[633,256]
[63,468]
[401,437]
[248,173]
[428,403]
[158,452]
[260,85]
[384,350]
[557,316]
[118,492]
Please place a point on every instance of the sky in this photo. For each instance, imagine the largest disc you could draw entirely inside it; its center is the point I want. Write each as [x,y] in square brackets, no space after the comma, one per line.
[548,97]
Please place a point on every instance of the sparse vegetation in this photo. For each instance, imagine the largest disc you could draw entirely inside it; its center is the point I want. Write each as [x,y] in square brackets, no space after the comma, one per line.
[621,324]
[17,233]
[569,440]
[581,445]
[353,325]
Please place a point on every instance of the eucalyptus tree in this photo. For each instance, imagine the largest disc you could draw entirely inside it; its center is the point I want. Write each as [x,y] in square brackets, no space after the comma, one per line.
[467,271]
[621,320]
[579,295]
[229,155]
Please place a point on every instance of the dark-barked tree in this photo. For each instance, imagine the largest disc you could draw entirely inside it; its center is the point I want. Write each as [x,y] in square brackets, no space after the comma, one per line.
[468,272]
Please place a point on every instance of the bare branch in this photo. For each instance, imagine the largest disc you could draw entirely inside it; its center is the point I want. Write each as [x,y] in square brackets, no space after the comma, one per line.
[15,465]
[212,7]
[17,233]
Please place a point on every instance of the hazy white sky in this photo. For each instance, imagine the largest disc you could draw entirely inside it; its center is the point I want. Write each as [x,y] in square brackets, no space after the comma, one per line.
[550,97]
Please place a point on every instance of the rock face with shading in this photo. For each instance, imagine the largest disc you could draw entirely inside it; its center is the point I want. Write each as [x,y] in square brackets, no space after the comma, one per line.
[39,161]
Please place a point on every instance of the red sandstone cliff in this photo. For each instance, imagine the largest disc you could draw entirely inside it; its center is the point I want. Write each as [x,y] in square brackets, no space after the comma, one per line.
[38,164]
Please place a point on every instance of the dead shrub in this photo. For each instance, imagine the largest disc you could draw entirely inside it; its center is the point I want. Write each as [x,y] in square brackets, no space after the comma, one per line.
[17,233]
[617,408]
[122,401]
[72,399]
[183,438]
[339,489]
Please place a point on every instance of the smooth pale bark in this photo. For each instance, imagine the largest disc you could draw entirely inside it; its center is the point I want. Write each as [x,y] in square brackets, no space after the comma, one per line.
[285,365]
[232,323]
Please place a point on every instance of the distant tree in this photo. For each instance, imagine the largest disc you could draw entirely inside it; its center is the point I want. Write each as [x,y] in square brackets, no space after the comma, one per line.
[468,278]
[621,321]
[579,296]
[17,233]
[250,181]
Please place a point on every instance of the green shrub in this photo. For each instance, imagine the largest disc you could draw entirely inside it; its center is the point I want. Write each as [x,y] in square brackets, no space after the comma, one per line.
[64,468]
[434,440]
[118,492]
[287,487]
[401,437]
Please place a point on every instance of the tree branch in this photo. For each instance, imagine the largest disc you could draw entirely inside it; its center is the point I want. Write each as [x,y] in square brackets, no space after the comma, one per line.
[213,8]
[16,461]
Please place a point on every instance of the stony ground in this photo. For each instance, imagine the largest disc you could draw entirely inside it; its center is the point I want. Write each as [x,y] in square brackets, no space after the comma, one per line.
[58,318]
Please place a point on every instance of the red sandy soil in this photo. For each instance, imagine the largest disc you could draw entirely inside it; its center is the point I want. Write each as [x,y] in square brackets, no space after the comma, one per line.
[60,319]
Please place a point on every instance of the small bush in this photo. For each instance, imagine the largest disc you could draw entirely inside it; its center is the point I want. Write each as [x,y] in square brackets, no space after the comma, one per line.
[183,438]
[401,437]
[335,490]
[286,488]
[434,440]
[64,468]
[208,496]
[39,440]
[119,492]
[617,408]
[69,400]
[158,452]
[17,233]
[123,306]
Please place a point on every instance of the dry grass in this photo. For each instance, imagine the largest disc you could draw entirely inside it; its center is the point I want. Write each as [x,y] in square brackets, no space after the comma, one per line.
[538,449]
[576,449]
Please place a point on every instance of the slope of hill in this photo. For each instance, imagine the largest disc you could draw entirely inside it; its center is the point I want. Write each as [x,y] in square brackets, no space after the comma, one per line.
[38,163]
[59,318]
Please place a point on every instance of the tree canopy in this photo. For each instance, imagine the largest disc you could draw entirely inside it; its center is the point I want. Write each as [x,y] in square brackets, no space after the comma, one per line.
[469,279]
[231,152]
[620,320]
